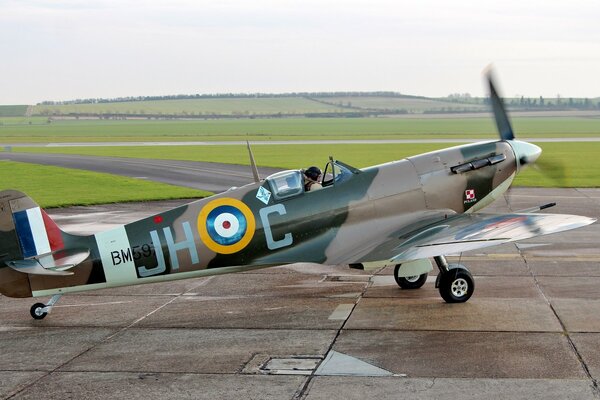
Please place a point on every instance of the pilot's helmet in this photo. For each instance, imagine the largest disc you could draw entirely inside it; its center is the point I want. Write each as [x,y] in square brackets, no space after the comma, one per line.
[313,173]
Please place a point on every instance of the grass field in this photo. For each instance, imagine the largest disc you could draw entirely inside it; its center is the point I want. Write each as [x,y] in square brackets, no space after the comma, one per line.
[292,129]
[289,104]
[13,111]
[59,187]
[561,164]
[16,121]
[401,103]
[253,106]
[219,106]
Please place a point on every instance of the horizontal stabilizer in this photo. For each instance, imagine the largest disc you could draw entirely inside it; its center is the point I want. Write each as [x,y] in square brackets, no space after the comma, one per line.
[53,264]
[33,267]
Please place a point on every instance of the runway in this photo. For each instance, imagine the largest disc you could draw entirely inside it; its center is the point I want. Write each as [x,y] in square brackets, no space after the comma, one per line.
[530,331]
[213,177]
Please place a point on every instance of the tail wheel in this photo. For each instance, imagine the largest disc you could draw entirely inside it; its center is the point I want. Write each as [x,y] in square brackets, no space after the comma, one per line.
[456,285]
[38,311]
[409,282]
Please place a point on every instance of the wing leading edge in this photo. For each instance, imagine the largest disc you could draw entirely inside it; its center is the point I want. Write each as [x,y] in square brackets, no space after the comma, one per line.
[465,232]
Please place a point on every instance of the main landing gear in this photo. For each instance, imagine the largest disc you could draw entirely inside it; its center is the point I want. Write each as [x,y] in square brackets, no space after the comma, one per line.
[454,282]
[40,310]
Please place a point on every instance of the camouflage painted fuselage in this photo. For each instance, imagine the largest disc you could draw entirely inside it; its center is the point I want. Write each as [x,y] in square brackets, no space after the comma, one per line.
[250,227]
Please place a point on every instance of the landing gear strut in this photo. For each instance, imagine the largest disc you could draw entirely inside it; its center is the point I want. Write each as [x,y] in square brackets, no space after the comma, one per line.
[40,310]
[455,282]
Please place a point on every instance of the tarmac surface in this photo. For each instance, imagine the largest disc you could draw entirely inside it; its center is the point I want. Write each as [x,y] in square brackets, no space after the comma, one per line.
[214,177]
[530,331]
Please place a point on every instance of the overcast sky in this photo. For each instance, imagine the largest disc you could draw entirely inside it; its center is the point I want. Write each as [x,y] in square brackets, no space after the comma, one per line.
[67,49]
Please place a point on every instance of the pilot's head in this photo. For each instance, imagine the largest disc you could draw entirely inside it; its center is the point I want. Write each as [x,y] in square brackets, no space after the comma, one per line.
[313,173]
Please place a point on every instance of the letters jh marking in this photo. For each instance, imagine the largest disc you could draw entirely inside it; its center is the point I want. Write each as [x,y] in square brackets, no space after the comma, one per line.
[225,226]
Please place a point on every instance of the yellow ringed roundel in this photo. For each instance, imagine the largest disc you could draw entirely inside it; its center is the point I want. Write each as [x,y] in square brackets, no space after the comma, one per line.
[226,225]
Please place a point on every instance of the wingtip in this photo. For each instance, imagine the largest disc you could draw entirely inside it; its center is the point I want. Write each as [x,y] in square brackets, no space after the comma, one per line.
[591,220]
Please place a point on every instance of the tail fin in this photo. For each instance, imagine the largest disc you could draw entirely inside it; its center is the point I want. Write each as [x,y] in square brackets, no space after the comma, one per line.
[26,231]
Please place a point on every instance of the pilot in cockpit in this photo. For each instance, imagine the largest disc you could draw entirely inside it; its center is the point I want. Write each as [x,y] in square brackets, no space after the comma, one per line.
[312,177]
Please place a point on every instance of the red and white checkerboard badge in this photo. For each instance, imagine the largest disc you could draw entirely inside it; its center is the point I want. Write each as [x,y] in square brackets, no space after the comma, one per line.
[470,194]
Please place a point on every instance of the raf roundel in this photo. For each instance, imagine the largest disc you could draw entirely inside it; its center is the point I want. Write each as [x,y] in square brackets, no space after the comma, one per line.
[226,225]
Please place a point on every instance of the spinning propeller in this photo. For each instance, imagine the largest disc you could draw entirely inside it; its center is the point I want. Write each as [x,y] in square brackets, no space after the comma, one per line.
[526,153]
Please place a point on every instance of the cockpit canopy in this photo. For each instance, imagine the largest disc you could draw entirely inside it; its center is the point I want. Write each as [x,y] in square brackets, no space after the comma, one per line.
[286,184]
[290,183]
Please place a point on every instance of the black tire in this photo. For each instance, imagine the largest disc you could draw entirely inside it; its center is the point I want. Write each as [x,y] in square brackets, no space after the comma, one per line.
[409,282]
[36,311]
[456,285]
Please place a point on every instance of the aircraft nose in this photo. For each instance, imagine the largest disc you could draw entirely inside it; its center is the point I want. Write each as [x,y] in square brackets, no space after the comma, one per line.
[525,152]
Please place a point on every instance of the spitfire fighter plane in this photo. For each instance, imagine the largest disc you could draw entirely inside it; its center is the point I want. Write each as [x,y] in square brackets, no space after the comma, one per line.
[401,213]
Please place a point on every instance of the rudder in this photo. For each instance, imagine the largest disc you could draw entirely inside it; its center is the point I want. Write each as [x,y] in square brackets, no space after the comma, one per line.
[25,231]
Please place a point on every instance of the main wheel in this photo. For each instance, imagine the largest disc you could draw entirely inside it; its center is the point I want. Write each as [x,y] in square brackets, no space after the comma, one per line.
[37,311]
[456,285]
[409,282]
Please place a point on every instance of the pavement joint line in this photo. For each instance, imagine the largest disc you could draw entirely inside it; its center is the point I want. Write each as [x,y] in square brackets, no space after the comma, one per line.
[201,283]
[342,312]
[584,366]
[106,339]
[303,392]
[50,372]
